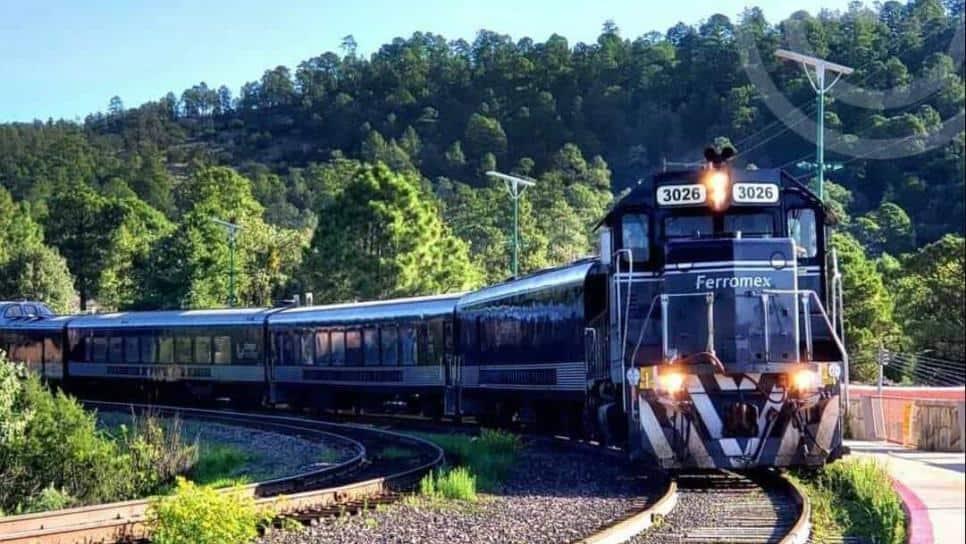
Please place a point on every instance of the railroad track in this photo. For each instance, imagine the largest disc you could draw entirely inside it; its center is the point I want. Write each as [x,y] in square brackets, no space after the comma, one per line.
[366,476]
[718,507]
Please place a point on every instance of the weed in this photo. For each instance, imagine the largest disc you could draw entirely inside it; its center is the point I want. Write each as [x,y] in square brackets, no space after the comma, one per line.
[854,497]
[488,457]
[453,484]
[196,514]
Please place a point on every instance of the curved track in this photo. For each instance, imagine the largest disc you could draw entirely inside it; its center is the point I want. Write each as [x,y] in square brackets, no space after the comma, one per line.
[368,474]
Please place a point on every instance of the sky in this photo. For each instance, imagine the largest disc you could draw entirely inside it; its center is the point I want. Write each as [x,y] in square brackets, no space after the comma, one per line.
[67,58]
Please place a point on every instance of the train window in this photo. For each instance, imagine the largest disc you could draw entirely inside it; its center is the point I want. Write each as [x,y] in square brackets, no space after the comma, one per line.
[353,348]
[51,351]
[182,350]
[434,342]
[305,341]
[149,350]
[98,349]
[30,310]
[322,348]
[283,343]
[248,346]
[222,350]
[13,311]
[370,339]
[634,236]
[132,351]
[338,348]
[688,226]
[407,337]
[803,230]
[203,350]
[750,225]
[116,347]
[390,346]
[166,349]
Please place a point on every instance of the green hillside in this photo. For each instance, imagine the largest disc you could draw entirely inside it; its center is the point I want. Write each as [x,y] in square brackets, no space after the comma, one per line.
[125,198]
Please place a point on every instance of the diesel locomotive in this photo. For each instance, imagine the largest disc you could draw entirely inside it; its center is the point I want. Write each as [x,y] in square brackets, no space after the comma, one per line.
[698,337]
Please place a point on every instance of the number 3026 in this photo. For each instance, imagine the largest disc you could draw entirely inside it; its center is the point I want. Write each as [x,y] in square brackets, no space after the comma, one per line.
[755,192]
[681,194]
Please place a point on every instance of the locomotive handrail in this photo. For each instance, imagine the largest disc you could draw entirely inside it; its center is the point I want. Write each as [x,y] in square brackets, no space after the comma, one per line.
[805,294]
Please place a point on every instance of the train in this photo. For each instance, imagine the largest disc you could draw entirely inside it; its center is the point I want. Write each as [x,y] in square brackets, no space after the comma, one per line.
[706,333]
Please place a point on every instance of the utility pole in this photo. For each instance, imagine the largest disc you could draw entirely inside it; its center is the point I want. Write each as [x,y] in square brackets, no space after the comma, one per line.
[820,66]
[232,229]
[513,186]
[881,358]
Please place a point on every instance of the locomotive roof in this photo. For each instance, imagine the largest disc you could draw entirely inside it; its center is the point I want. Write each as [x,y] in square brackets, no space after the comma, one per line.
[642,193]
[402,308]
[171,318]
[562,276]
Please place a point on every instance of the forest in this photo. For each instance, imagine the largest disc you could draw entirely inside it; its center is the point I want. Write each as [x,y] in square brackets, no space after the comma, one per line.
[358,178]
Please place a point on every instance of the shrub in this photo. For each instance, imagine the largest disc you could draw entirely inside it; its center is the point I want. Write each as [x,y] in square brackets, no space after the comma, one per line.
[196,514]
[454,484]
[156,453]
[52,453]
[50,498]
[854,497]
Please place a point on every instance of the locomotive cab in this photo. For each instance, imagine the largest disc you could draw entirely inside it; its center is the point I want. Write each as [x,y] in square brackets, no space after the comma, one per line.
[720,336]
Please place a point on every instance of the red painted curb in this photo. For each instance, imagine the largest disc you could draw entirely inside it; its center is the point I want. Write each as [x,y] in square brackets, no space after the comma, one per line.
[920,528]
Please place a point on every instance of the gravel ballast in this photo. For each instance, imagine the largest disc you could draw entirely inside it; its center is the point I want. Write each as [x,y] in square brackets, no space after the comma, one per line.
[270,455]
[553,494]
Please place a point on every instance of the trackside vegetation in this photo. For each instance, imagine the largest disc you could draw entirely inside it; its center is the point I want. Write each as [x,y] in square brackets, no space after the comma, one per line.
[853,498]
[198,514]
[482,461]
[53,453]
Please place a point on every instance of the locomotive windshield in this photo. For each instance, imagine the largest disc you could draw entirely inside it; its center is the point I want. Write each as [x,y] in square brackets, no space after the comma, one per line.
[733,224]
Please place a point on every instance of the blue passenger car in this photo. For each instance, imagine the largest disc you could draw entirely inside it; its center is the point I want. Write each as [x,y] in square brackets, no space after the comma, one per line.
[370,354]
[32,335]
[203,353]
[528,347]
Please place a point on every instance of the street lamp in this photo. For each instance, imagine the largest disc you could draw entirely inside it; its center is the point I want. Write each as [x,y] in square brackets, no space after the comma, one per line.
[820,66]
[232,229]
[513,186]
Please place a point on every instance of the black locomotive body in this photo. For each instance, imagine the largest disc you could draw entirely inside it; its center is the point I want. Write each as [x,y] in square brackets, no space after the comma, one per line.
[698,336]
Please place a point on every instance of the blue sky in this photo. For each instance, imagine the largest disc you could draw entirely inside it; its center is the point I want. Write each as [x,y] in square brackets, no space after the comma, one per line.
[66,58]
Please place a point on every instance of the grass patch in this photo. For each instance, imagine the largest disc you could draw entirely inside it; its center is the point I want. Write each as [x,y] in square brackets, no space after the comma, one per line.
[853,498]
[452,484]
[220,465]
[487,457]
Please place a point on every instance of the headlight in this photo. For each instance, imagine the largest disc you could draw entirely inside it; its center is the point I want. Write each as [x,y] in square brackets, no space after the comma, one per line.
[805,380]
[671,382]
[717,183]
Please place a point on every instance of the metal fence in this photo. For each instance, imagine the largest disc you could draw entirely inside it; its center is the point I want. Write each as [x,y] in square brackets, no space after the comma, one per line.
[920,369]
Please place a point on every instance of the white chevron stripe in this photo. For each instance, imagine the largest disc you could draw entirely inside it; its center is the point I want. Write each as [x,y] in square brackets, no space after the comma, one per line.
[655,434]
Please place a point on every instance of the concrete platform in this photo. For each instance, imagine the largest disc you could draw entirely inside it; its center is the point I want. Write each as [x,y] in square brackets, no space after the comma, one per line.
[933,486]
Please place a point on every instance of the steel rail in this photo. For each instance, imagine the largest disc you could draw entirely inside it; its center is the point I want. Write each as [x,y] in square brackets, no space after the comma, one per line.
[626,528]
[128,519]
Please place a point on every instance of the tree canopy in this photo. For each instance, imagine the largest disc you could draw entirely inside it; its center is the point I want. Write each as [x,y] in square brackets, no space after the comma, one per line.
[379,162]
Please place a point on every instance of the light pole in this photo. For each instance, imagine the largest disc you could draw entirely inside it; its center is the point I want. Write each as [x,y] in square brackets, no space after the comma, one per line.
[232,229]
[513,186]
[820,66]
